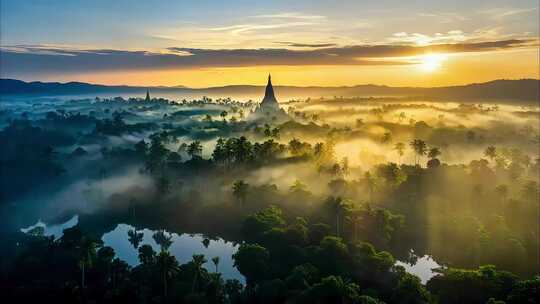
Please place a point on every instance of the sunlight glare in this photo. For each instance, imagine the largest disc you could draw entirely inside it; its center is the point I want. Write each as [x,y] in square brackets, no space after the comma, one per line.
[432,62]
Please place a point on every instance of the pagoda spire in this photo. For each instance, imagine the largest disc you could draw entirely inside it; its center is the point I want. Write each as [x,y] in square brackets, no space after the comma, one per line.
[147,95]
[269,92]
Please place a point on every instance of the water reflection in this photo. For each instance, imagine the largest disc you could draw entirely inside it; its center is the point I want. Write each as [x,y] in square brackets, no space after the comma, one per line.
[184,246]
[423,268]
[55,230]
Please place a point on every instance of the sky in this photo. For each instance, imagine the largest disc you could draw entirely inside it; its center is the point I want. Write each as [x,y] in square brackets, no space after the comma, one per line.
[303,43]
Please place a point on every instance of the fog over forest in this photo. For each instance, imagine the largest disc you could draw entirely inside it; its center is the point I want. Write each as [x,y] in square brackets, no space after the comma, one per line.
[331,198]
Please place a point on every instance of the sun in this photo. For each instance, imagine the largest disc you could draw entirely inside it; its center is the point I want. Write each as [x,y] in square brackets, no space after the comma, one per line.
[431,62]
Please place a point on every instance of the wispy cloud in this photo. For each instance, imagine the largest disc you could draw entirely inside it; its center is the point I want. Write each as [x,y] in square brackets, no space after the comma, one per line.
[445,17]
[247,28]
[291,16]
[500,13]
[306,45]
[17,60]
[424,39]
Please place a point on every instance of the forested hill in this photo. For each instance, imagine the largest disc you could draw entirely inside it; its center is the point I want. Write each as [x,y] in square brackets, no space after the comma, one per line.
[524,89]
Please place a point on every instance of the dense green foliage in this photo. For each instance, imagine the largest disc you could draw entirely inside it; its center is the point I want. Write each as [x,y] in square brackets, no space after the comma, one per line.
[313,224]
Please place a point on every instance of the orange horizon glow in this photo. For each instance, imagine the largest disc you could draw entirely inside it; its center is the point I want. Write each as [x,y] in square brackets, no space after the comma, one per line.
[429,70]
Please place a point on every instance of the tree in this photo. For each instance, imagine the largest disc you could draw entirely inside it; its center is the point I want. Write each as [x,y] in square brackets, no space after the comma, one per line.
[223,115]
[242,150]
[168,267]
[333,289]
[220,151]
[256,225]
[157,156]
[355,219]
[345,169]
[371,183]
[419,146]
[215,260]
[491,152]
[87,254]
[163,239]
[240,191]
[147,255]
[275,133]
[163,184]
[400,148]
[526,291]
[195,149]
[502,192]
[141,148]
[135,237]
[434,152]
[198,262]
[252,262]
[174,158]
[336,206]
[386,138]
[104,258]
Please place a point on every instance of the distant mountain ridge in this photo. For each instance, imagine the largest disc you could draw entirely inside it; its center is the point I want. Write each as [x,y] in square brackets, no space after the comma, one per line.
[523,89]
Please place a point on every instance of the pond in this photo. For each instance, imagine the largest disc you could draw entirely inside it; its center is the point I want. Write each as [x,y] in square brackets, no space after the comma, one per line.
[184,246]
[55,230]
[422,268]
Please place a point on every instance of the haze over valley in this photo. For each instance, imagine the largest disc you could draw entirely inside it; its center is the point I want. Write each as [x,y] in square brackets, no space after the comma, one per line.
[270,152]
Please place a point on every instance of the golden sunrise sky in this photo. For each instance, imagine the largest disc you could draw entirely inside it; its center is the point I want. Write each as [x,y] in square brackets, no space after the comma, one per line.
[320,43]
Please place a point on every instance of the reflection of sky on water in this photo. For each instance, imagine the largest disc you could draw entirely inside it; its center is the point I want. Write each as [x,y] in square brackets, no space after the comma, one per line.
[423,268]
[55,230]
[184,246]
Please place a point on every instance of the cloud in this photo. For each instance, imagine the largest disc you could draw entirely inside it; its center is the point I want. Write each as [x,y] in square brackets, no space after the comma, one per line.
[500,13]
[306,45]
[423,39]
[248,28]
[27,60]
[445,17]
[290,16]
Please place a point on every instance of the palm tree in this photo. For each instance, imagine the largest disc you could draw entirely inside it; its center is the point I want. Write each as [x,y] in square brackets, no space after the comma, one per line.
[355,219]
[336,204]
[345,169]
[195,149]
[502,192]
[400,148]
[147,255]
[371,183]
[419,146]
[135,237]
[223,115]
[164,240]
[491,152]
[386,138]
[168,266]
[87,254]
[198,261]
[240,190]
[215,260]
[401,117]
[434,152]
